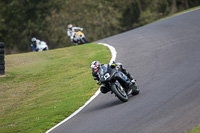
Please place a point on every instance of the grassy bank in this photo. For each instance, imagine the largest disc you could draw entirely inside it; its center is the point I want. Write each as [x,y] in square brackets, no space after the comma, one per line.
[195,130]
[43,88]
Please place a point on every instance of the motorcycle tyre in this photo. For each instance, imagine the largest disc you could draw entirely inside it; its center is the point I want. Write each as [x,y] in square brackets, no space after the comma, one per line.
[2,61]
[2,44]
[1,51]
[2,72]
[135,91]
[118,94]
[2,67]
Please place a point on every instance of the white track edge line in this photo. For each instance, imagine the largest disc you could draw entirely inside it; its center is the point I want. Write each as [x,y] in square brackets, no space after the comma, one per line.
[114,54]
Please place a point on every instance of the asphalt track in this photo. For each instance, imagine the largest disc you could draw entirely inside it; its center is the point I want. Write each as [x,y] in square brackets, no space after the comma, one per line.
[164,57]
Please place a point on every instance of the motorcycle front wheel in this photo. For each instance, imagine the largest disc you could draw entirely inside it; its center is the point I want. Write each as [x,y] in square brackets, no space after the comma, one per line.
[119,92]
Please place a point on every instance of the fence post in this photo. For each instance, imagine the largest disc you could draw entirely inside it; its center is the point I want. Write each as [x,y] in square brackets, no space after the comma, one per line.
[2,57]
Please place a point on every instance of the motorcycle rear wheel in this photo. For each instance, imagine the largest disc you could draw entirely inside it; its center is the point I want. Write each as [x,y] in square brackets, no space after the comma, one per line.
[119,92]
[135,90]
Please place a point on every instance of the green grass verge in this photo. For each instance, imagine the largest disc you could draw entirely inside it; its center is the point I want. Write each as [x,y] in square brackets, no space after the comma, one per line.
[195,130]
[43,88]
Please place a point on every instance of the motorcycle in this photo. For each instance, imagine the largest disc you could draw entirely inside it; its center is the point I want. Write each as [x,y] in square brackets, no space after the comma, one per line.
[41,46]
[115,81]
[79,38]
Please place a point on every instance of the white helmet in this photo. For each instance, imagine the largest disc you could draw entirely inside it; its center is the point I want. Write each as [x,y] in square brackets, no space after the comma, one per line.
[33,39]
[95,66]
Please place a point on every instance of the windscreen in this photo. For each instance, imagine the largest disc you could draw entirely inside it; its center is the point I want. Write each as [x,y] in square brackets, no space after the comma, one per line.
[103,69]
[104,73]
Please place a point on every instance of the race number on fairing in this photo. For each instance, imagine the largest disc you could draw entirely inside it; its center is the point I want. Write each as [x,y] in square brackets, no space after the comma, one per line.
[106,76]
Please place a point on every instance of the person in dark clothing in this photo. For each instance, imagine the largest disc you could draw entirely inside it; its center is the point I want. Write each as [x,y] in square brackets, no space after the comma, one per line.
[96,66]
[34,44]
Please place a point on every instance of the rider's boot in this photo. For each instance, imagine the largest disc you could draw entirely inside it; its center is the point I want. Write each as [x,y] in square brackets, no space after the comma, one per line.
[133,81]
[131,78]
[134,84]
[131,86]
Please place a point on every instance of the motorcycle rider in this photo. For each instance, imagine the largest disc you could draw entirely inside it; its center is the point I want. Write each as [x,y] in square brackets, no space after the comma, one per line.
[38,45]
[34,43]
[71,31]
[96,66]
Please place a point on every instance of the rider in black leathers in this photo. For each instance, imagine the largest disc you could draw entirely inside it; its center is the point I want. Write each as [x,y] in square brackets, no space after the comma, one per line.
[95,66]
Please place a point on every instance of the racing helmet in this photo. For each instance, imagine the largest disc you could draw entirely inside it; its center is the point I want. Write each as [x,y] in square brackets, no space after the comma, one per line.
[33,39]
[95,66]
[70,26]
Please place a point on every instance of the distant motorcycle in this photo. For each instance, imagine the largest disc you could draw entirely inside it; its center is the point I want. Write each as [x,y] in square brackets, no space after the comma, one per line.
[79,38]
[114,80]
[41,46]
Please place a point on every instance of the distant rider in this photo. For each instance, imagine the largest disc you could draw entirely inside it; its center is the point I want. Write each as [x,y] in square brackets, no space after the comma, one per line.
[71,31]
[38,45]
[96,66]
[34,44]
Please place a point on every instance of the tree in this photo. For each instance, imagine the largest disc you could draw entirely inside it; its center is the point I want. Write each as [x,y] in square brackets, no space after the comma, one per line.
[173,7]
[47,20]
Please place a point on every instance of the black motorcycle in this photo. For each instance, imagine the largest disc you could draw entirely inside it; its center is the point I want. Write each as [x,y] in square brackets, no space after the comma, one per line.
[116,82]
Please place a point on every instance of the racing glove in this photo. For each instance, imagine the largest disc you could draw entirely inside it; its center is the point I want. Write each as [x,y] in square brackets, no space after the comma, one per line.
[98,82]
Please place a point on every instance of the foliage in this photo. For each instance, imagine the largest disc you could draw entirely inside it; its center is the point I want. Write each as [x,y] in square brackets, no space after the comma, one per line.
[43,88]
[47,20]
